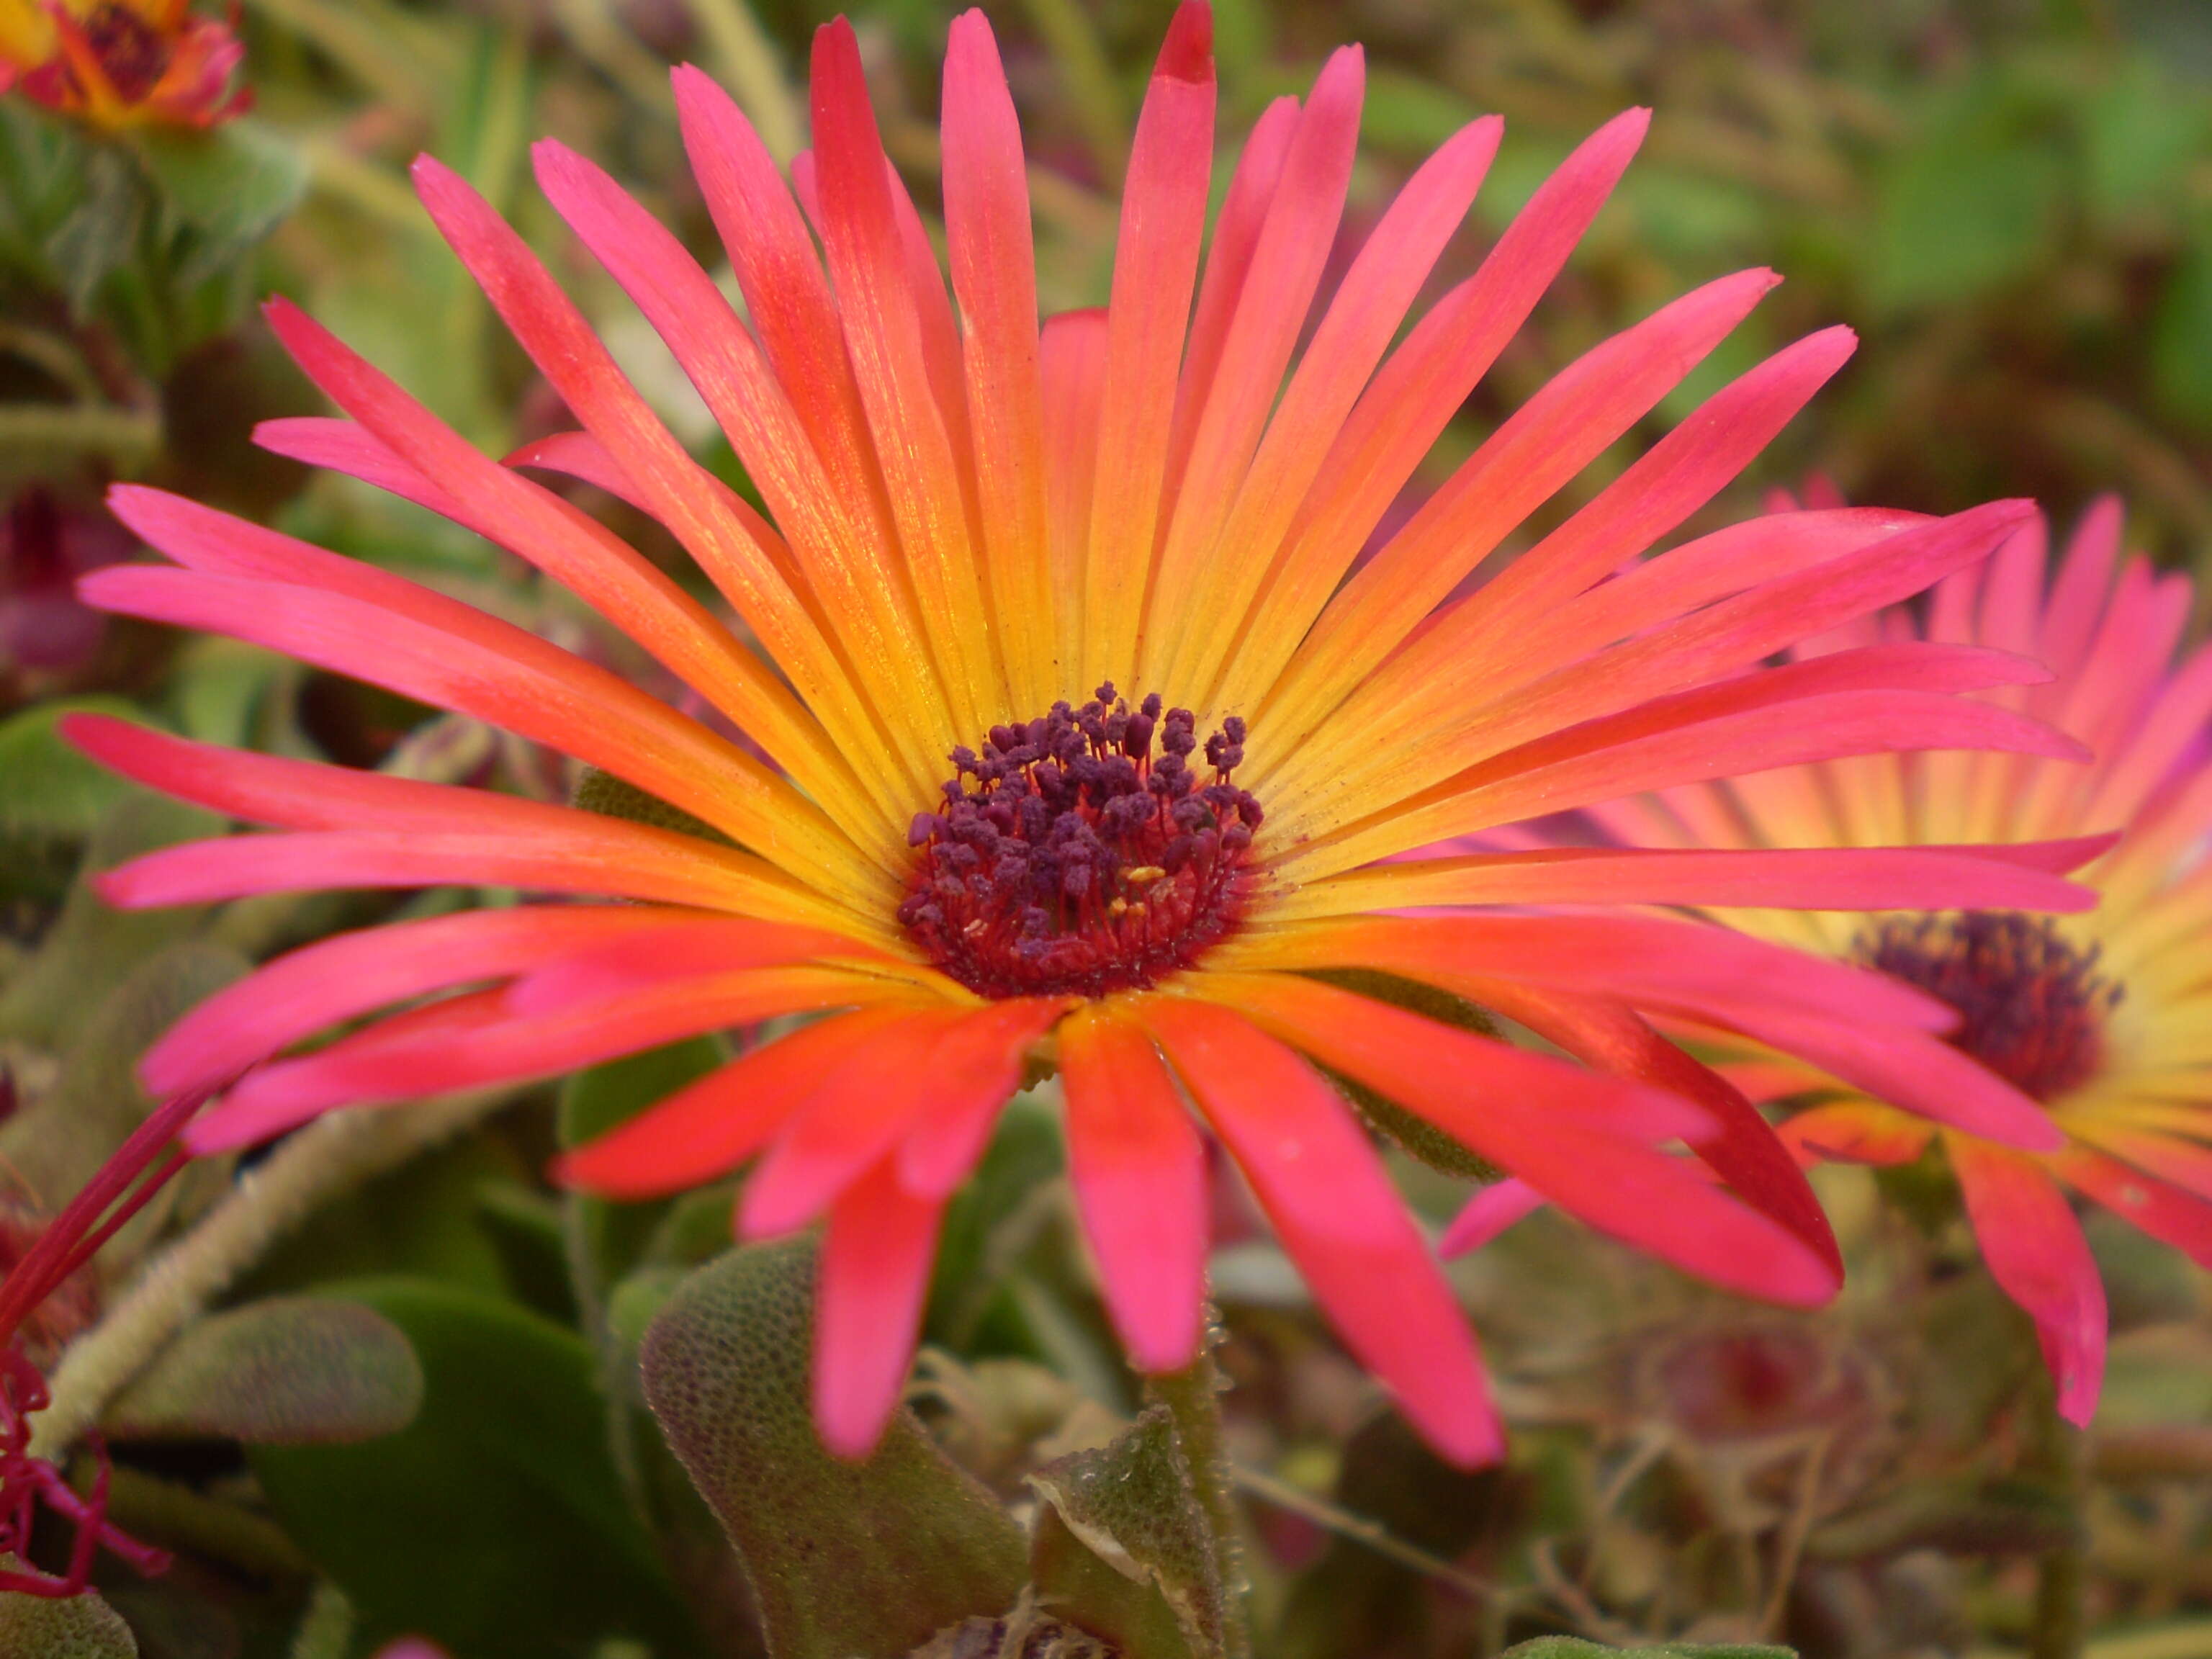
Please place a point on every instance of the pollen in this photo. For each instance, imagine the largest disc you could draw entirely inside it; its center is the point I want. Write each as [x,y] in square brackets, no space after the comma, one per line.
[1084,851]
[2031,1006]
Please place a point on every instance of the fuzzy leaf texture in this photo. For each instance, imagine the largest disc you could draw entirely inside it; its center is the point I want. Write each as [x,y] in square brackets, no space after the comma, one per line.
[75,1627]
[1122,1547]
[289,1371]
[864,1561]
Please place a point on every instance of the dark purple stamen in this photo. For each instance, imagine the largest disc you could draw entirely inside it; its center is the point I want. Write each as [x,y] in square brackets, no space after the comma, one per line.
[2031,1006]
[1069,856]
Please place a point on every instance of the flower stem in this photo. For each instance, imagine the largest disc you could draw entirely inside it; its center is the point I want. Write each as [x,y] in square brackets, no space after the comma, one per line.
[326,1158]
[101,428]
[1193,1397]
[2059,1630]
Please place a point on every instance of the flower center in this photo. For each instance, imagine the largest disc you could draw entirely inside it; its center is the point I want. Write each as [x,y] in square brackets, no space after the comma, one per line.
[133,54]
[1071,857]
[2031,1006]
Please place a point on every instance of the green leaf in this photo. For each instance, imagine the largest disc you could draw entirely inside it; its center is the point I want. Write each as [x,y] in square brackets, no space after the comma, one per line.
[79,1627]
[92,947]
[289,1371]
[1573,1647]
[101,230]
[494,1523]
[1124,1549]
[42,163]
[606,1240]
[847,1561]
[62,1139]
[2181,334]
[53,800]
[1420,1138]
[992,1220]
[1971,205]
[425,1219]
[221,191]
[2141,134]
[54,790]
[612,797]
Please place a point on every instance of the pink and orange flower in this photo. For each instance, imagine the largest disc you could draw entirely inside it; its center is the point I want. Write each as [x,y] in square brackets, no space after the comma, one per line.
[962,860]
[120,63]
[2102,1020]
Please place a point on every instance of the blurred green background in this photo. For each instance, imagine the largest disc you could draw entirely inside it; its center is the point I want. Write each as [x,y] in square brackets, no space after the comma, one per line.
[2011,201]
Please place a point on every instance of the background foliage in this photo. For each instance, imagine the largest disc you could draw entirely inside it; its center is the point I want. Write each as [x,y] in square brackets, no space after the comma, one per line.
[2010,199]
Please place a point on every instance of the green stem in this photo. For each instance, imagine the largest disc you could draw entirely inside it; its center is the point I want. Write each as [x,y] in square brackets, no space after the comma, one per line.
[100,427]
[328,1157]
[2060,1627]
[1193,1397]
[326,1630]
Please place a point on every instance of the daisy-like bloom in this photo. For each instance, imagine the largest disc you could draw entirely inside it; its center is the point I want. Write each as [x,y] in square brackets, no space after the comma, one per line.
[120,63]
[1085,747]
[2103,1019]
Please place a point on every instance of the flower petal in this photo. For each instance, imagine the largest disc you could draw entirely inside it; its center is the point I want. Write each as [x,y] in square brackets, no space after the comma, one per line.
[709,1126]
[607,573]
[884,337]
[936,1079]
[348,974]
[2036,1252]
[1541,446]
[1566,1131]
[1787,877]
[1406,406]
[1362,319]
[1246,381]
[986,232]
[2167,1212]
[1139,1170]
[869,1290]
[1155,266]
[1640,959]
[1338,1218]
[473,1041]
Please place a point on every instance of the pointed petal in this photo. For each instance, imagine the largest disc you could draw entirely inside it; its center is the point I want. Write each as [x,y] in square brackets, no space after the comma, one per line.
[474,1041]
[1294,244]
[1490,1213]
[2036,1252]
[607,573]
[1415,395]
[870,1285]
[348,974]
[1793,878]
[936,1082]
[2165,1212]
[1566,1131]
[1856,1132]
[708,1127]
[1542,445]
[536,691]
[987,230]
[1738,1144]
[1640,959]
[1139,1170]
[1155,266]
[884,335]
[1911,1069]
[1338,1218]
